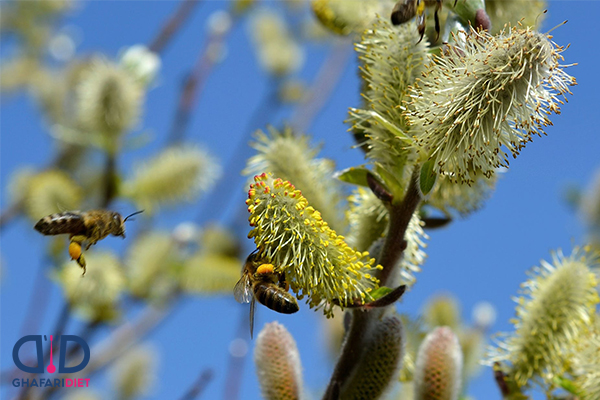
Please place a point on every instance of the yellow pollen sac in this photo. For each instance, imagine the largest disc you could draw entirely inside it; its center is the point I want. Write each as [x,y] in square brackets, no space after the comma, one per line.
[74,250]
[265,269]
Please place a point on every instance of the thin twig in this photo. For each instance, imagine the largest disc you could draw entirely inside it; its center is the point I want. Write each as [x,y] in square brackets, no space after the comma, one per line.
[175,22]
[199,385]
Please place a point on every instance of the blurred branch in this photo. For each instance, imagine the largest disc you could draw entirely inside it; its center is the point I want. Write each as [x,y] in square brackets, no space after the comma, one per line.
[194,82]
[175,22]
[57,332]
[10,213]
[235,366]
[121,339]
[203,380]
[222,192]
[322,88]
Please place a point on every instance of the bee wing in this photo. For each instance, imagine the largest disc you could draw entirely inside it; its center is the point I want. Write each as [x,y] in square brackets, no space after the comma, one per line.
[243,290]
[66,222]
[252,306]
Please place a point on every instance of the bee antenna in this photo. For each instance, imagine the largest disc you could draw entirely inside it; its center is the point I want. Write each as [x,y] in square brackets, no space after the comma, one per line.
[131,215]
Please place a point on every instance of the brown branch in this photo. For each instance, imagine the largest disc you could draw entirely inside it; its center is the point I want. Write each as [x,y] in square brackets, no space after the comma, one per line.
[194,82]
[393,248]
[321,89]
[175,22]
[199,385]
[235,367]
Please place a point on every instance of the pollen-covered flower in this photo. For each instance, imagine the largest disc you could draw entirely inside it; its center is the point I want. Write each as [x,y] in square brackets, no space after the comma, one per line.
[485,98]
[149,263]
[95,296]
[50,192]
[278,52]
[346,17]
[524,12]
[109,99]
[176,174]
[586,360]
[391,62]
[558,304]
[141,63]
[291,157]
[367,217]
[293,236]
[455,197]
[439,366]
[134,373]
[278,364]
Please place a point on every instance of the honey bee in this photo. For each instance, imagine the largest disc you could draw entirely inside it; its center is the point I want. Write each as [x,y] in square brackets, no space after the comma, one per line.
[260,282]
[404,10]
[89,227]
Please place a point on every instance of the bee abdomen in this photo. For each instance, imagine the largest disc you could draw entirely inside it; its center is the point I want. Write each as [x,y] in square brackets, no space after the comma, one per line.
[276,299]
[56,224]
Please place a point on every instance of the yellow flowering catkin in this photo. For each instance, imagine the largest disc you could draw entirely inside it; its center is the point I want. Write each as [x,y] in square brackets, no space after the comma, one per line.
[316,261]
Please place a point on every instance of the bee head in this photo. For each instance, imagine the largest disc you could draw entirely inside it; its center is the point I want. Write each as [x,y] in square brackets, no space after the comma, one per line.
[117,223]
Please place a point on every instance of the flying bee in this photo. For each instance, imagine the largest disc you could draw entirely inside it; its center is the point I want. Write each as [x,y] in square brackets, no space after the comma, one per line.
[87,226]
[405,10]
[260,282]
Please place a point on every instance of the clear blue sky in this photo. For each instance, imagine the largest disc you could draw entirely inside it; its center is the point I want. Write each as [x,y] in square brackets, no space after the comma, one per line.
[482,258]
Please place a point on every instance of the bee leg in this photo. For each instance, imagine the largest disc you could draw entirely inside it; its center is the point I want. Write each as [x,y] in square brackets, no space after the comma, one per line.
[436,17]
[283,283]
[421,19]
[265,269]
[421,29]
[82,264]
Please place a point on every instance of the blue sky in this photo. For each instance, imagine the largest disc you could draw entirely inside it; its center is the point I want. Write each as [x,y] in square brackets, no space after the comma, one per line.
[481,258]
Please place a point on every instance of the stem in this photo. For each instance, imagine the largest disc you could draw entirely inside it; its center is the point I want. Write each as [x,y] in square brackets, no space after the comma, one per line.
[235,367]
[199,385]
[221,194]
[321,89]
[193,84]
[393,248]
[10,213]
[110,181]
[400,216]
[175,22]
[351,351]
